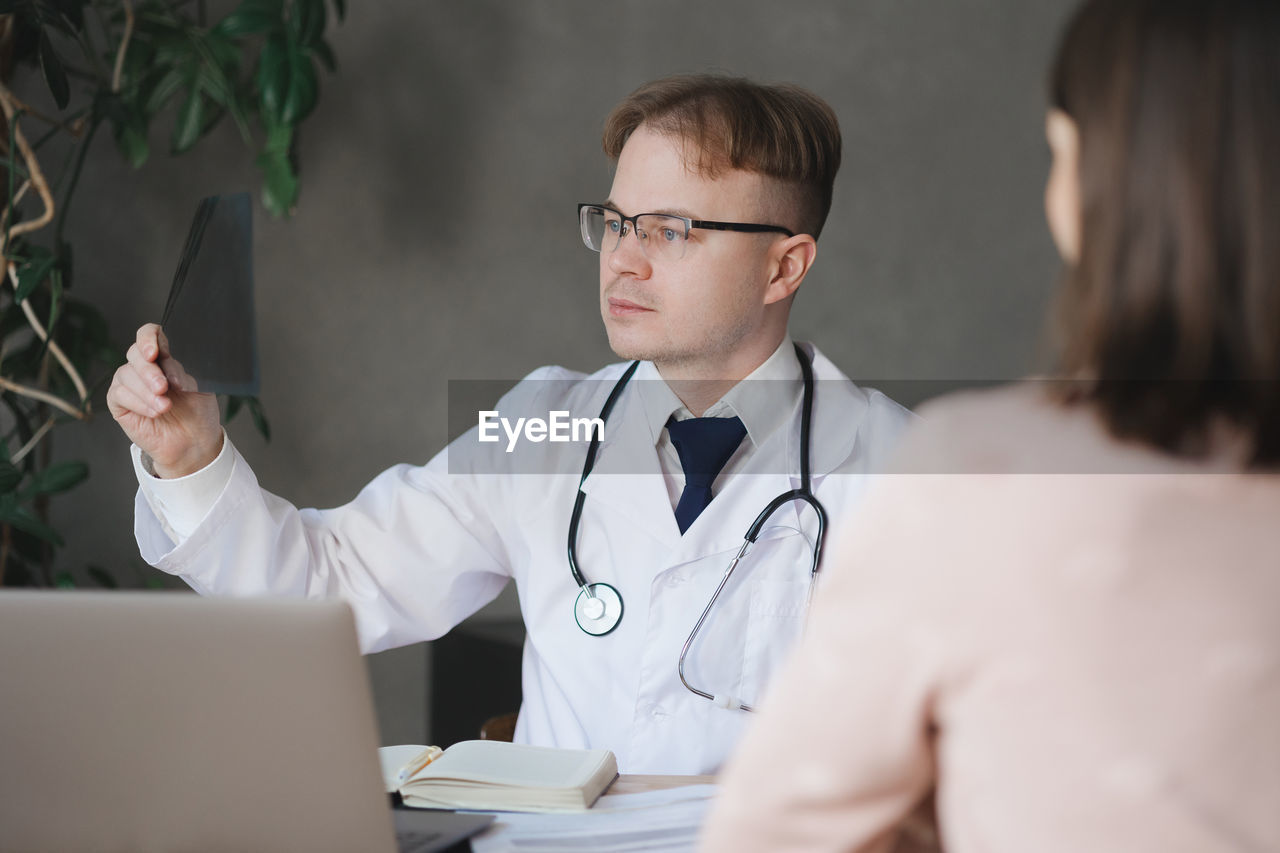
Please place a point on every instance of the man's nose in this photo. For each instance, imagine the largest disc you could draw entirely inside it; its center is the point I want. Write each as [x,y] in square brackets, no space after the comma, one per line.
[628,258]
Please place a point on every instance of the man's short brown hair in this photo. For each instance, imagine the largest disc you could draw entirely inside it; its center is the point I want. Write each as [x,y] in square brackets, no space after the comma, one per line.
[781,131]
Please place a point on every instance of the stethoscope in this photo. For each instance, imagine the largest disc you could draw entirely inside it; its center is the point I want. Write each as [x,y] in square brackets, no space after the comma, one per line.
[598,607]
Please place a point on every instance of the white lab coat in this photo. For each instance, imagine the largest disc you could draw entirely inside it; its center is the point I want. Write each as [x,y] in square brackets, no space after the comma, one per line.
[422,548]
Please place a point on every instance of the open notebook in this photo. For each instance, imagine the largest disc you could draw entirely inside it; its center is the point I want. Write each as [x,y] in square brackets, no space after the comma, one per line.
[496,776]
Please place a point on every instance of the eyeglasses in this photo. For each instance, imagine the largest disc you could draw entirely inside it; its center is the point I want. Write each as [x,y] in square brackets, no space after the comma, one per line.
[661,235]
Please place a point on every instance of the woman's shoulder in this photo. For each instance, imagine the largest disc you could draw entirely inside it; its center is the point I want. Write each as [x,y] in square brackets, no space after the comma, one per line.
[1021,427]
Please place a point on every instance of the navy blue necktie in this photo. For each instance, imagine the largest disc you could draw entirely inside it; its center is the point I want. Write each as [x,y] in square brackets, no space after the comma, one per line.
[704,445]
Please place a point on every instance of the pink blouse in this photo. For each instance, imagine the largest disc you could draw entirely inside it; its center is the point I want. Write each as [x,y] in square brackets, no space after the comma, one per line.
[1077,641]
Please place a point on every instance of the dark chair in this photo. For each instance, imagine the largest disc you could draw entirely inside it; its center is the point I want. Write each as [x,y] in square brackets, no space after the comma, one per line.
[501,727]
[475,674]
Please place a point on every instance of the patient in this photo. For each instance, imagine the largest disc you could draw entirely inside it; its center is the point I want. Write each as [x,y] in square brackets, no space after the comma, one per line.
[1065,615]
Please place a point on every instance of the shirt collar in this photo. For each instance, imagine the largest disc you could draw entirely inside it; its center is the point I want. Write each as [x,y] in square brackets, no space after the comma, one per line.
[764,400]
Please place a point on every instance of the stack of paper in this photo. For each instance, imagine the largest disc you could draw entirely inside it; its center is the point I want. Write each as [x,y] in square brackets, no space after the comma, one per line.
[666,820]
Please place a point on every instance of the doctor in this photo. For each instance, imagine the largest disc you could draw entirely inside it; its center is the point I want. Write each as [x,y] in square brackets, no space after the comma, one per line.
[739,178]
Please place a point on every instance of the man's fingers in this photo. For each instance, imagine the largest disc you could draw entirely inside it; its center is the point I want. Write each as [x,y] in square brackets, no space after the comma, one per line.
[177,375]
[143,386]
[123,398]
[151,342]
[149,373]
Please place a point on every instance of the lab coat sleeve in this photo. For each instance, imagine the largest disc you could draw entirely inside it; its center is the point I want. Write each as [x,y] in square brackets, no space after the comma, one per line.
[415,553]
[843,747]
[182,502]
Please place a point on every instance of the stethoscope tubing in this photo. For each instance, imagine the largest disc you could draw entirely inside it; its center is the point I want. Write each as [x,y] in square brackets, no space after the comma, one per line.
[587,467]
[804,493]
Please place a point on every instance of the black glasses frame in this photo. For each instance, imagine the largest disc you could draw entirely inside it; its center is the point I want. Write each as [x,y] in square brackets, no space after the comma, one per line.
[689,224]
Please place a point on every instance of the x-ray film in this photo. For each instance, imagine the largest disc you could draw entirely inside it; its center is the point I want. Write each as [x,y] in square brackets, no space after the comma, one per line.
[208,316]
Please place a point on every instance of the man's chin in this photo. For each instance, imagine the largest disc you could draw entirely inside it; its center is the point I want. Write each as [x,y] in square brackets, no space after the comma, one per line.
[627,348]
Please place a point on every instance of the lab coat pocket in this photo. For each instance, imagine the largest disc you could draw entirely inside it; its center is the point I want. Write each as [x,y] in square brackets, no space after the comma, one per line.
[775,620]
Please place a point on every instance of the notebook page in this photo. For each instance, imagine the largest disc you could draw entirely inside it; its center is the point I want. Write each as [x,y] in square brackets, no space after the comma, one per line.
[498,763]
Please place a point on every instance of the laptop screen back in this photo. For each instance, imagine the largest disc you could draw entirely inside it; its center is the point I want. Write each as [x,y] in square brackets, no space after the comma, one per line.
[164,721]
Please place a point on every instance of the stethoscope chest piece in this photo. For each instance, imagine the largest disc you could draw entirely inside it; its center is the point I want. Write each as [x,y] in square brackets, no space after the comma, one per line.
[600,612]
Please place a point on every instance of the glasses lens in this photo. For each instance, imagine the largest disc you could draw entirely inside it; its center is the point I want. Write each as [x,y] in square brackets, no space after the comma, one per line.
[600,228]
[663,237]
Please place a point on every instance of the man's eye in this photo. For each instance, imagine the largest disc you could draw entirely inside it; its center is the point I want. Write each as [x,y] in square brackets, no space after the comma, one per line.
[614,225]
[670,234]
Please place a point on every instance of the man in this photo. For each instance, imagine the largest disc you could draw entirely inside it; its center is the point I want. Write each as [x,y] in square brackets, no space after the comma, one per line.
[720,191]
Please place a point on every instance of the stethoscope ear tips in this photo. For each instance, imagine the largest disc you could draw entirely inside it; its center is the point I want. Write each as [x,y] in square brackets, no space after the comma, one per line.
[597,609]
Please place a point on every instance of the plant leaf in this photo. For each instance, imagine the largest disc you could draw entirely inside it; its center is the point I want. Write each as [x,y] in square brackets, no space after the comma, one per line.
[66,15]
[252,17]
[55,299]
[214,81]
[190,121]
[279,183]
[340,6]
[286,81]
[273,78]
[308,21]
[58,477]
[10,476]
[233,407]
[259,417]
[63,580]
[20,519]
[132,142]
[303,87]
[32,274]
[55,74]
[168,86]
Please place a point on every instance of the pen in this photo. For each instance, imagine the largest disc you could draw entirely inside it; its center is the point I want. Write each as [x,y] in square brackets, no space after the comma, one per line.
[419,761]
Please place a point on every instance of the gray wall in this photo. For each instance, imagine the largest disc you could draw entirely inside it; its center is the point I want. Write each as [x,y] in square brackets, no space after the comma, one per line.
[436,240]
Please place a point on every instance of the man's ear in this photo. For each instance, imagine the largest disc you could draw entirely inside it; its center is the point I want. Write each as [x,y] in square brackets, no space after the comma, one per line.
[791,259]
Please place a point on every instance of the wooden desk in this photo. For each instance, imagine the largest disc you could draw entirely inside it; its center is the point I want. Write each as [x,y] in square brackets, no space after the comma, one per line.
[632,783]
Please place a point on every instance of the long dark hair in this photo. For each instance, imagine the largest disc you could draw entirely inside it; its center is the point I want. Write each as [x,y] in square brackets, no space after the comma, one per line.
[1171,315]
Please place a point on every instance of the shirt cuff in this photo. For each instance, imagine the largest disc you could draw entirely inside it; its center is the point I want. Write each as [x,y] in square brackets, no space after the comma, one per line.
[182,503]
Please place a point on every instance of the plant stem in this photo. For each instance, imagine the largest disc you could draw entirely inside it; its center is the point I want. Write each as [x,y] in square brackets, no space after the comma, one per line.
[10,200]
[51,345]
[124,46]
[43,396]
[75,179]
[34,440]
[37,176]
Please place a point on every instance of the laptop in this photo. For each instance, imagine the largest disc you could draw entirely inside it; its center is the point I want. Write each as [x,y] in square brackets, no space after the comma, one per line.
[165,721]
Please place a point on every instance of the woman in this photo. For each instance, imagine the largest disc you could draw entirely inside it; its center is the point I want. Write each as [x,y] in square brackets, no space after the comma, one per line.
[1067,619]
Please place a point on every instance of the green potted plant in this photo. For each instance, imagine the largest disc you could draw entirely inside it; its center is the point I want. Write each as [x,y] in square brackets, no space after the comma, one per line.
[125,67]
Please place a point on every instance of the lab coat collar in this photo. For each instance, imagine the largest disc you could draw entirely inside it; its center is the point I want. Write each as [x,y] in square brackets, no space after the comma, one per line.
[763,400]
[628,478]
[839,411]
